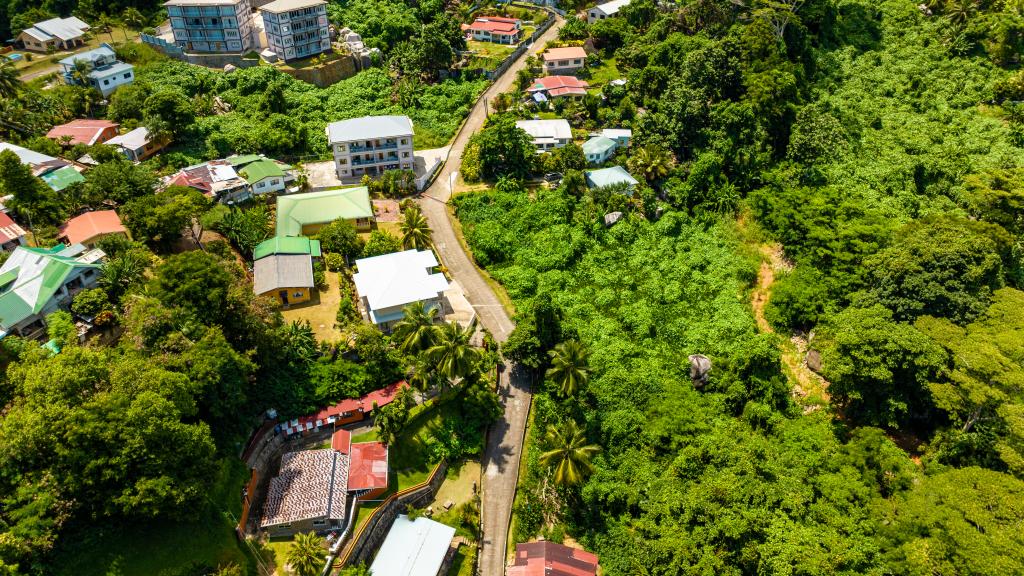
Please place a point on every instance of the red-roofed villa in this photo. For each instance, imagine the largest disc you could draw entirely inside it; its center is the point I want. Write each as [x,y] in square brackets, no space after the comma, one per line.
[494,29]
[559,86]
[84,131]
[567,59]
[550,559]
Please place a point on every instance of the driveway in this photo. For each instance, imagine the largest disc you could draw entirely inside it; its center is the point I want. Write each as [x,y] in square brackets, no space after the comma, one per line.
[505,437]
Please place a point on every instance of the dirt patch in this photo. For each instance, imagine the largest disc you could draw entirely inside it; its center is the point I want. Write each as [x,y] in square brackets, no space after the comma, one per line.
[386,211]
[808,387]
[321,312]
[458,486]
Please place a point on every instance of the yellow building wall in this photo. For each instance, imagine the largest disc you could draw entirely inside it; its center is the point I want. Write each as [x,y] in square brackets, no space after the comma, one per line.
[295,295]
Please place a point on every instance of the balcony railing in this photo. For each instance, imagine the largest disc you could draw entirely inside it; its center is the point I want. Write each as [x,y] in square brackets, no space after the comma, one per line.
[385,146]
[365,162]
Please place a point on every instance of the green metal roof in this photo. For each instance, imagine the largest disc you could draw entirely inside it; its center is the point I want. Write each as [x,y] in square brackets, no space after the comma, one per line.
[609,177]
[598,145]
[244,159]
[297,210]
[38,273]
[61,178]
[287,245]
[261,169]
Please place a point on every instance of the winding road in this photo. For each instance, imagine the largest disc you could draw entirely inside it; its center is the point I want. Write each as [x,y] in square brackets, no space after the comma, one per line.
[505,437]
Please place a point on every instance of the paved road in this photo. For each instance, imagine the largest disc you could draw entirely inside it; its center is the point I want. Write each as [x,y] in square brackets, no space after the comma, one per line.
[38,73]
[505,438]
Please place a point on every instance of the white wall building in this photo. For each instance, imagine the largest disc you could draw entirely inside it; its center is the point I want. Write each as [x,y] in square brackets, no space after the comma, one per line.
[296,28]
[371,145]
[413,548]
[212,25]
[106,71]
[547,134]
[387,284]
[607,10]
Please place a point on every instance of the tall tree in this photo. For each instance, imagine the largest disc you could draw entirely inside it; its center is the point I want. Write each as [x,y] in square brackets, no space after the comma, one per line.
[568,453]
[452,353]
[10,84]
[569,367]
[415,230]
[416,331]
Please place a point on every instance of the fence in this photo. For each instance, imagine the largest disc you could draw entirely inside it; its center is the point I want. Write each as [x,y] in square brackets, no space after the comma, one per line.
[368,537]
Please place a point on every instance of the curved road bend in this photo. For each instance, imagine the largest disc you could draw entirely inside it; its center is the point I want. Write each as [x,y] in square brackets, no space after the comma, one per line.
[505,439]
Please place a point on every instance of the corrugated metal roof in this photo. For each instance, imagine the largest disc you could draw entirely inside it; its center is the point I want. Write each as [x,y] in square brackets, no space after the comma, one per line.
[598,145]
[61,178]
[609,177]
[282,271]
[287,245]
[253,172]
[297,210]
[369,128]
[398,279]
[413,548]
[33,276]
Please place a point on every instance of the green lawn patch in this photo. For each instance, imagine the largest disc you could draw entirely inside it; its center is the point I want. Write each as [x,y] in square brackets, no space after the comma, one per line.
[162,547]
[368,436]
[463,564]
[601,75]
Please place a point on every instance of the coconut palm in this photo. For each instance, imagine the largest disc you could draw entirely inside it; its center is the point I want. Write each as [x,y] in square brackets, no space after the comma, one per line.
[452,353]
[415,230]
[80,72]
[652,162]
[569,367]
[416,330]
[10,84]
[306,554]
[133,19]
[569,454]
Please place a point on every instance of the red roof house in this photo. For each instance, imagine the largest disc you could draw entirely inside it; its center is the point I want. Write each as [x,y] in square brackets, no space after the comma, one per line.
[84,131]
[494,29]
[556,86]
[550,559]
[89,227]
[368,467]
[11,235]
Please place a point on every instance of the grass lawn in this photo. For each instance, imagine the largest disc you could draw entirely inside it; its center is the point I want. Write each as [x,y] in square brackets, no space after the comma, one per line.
[602,75]
[462,565]
[496,286]
[42,61]
[321,311]
[368,436]
[145,549]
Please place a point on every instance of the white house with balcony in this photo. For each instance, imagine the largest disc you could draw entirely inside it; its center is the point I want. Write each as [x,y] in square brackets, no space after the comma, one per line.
[387,284]
[296,28]
[371,145]
[218,26]
[103,71]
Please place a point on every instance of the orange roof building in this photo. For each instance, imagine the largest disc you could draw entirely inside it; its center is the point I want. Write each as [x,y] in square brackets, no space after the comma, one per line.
[551,559]
[567,59]
[88,228]
[84,131]
[557,86]
[368,467]
[11,235]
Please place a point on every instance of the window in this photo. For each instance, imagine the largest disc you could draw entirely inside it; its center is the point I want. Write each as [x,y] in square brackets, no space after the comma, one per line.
[128,76]
[300,295]
[106,82]
[405,154]
[275,182]
[404,140]
[342,161]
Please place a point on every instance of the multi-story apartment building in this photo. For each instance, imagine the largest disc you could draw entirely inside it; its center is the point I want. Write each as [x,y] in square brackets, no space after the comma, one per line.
[371,145]
[212,25]
[296,28]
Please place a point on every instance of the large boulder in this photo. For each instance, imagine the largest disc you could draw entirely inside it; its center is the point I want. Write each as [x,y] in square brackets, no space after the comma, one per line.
[700,369]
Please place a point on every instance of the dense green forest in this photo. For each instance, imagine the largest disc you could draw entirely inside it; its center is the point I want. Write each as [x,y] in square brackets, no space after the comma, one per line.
[878,144]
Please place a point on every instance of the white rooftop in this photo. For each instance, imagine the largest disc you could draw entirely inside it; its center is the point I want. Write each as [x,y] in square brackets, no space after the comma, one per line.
[539,129]
[612,7]
[413,548]
[278,6]
[25,155]
[63,28]
[368,128]
[614,133]
[132,140]
[398,279]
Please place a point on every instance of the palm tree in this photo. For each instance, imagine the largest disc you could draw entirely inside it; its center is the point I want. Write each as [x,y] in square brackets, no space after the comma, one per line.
[306,555]
[416,330]
[10,84]
[569,367]
[652,161]
[421,374]
[569,454]
[80,72]
[415,230]
[133,19]
[452,353]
